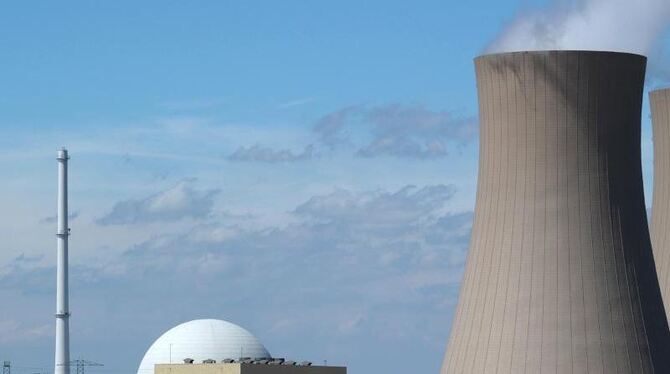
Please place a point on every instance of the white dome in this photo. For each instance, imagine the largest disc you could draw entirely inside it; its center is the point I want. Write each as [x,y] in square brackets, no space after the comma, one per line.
[202,339]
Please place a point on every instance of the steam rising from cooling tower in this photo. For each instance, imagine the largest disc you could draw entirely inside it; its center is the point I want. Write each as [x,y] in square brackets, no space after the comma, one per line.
[560,276]
[612,25]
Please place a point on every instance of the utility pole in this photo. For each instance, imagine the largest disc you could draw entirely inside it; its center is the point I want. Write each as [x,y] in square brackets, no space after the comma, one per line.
[82,364]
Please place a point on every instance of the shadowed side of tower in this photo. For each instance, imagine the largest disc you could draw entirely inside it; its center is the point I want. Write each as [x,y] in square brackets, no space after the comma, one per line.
[660,207]
[560,276]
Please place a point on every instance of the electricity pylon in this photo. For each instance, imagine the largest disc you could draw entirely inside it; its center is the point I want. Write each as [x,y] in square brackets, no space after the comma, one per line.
[82,364]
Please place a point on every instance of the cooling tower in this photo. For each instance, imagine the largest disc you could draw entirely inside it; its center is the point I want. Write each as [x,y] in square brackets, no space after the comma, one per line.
[560,276]
[660,211]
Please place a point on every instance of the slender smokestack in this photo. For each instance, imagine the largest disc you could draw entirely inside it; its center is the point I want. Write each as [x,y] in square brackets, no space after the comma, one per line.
[560,276]
[62,308]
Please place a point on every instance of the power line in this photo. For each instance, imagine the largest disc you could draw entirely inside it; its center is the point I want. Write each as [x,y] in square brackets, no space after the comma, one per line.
[82,364]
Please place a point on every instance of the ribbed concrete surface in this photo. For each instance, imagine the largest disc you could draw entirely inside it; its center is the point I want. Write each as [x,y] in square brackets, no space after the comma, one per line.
[660,211]
[560,276]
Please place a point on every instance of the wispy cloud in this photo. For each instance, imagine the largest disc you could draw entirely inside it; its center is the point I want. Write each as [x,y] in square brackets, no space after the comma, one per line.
[393,232]
[28,275]
[13,332]
[52,219]
[193,104]
[396,130]
[181,201]
[331,128]
[21,263]
[350,270]
[377,210]
[294,103]
[258,153]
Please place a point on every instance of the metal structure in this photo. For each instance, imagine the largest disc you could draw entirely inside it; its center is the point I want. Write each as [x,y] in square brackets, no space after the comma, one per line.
[62,303]
[6,367]
[560,276]
[81,365]
[660,208]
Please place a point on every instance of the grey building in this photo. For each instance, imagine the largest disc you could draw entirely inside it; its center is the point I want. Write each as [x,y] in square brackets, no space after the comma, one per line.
[560,276]
[660,212]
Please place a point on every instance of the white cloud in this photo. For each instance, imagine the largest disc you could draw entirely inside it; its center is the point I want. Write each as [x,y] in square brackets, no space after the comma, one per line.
[173,204]
[377,210]
[14,332]
[257,153]
[353,268]
[294,103]
[395,130]
[52,219]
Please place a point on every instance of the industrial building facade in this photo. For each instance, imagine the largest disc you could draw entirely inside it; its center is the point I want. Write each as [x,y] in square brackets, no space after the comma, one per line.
[660,208]
[560,275]
[240,368]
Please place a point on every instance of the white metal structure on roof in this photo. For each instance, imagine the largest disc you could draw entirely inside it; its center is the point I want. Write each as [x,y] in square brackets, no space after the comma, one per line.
[199,340]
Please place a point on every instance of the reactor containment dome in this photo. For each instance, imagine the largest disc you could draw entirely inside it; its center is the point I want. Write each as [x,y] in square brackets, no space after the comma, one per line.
[201,340]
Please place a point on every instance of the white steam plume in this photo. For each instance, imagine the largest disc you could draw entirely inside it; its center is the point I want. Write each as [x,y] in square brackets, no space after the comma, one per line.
[634,26]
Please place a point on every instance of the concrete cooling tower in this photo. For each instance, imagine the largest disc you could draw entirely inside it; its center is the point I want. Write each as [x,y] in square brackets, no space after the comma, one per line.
[660,208]
[560,276]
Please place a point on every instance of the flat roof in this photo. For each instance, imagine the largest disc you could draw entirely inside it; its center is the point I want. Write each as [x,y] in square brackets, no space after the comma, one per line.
[241,368]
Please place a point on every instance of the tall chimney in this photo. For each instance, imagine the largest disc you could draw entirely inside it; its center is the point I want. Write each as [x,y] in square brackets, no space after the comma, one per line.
[62,365]
[560,276]
[660,207]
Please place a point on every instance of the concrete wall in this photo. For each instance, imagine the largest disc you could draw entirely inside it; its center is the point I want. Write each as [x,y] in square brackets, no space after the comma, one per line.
[246,369]
[560,276]
[660,212]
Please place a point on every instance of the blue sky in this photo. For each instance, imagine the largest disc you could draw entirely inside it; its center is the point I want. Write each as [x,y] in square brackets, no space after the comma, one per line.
[304,169]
